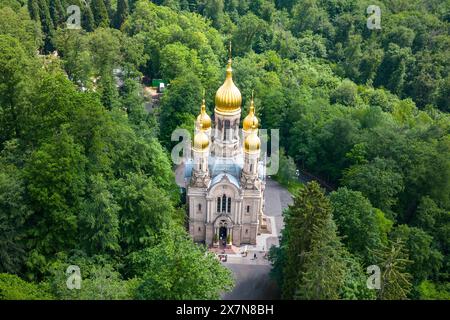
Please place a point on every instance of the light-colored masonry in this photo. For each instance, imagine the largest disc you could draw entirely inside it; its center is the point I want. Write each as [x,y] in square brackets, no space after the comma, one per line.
[225,175]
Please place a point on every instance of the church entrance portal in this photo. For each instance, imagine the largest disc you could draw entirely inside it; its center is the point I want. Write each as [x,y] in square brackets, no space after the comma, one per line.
[223,233]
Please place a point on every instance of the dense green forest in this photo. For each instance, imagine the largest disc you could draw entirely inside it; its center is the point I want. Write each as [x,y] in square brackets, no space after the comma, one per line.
[85,176]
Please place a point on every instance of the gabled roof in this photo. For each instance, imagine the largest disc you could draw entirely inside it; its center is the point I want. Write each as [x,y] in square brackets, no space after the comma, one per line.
[217,179]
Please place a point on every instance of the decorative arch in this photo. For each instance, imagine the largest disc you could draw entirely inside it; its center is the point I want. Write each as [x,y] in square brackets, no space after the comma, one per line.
[223,220]
[224,182]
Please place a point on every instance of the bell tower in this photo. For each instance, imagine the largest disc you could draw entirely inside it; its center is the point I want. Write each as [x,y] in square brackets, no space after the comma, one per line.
[227,114]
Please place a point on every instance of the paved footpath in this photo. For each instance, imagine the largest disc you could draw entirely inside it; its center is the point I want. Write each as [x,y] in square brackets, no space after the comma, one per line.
[252,280]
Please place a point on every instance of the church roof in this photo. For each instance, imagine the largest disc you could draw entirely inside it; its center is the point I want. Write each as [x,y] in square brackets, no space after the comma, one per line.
[217,166]
[231,178]
[220,166]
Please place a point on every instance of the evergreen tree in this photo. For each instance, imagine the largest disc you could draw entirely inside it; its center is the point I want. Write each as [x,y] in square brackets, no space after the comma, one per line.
[309,214]
[100,12]
[57,12]
[46,24]
[121,13]
[13,214]
[324,267]
[99,220]
[395,281]
[108,91]
[33,8]
[109,9]
[87,20]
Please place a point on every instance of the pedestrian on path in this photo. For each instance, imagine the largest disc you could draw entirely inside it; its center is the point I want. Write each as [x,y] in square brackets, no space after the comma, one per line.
[254,256]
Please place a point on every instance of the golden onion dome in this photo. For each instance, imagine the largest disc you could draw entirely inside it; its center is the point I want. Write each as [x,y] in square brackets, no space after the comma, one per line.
[203,120]
[228,97]
[201,141]
[252,144]
[250,121]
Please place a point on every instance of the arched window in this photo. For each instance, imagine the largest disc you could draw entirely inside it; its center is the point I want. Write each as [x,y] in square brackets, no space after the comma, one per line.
[224,203]
[248,209]
[226,130]
[218,204]
[251,167]
[199,207]
[229,205]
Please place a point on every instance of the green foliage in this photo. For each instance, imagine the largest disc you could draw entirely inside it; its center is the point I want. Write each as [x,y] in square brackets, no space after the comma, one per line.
[13,214]
[434,221]
[177,269]
[431,291]
[378,181]
[55,182]
[426,261]
[14,288]
[184,29]
[183,97]
[324,267]
[248,31]
[100,12]
[145,210]
[177,60]
[121,13]
[13,72]
[345,94]
[357,220]
[99,218]
[309,230]
[17,23]
[287,169]
[81,167]
[355,283]
[99,279]
[393,262]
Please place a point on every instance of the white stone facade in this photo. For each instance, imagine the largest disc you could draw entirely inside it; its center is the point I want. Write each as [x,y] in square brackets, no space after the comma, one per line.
[225,189]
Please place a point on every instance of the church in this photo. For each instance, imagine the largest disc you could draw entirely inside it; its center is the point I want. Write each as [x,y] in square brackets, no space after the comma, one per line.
[225,175]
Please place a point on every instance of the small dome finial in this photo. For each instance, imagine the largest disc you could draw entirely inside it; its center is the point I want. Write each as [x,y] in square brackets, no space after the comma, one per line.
[252,144]
[203,120]
[201,141]
[251,121]
[252,103]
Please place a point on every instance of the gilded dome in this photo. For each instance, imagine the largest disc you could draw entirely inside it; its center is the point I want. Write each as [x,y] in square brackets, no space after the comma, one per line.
[203,120]
[252,144]
[228,97]
[250,121]
[201,141]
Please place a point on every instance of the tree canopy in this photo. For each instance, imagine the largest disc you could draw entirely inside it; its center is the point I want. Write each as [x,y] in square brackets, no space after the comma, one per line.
[85,175]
